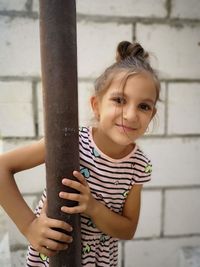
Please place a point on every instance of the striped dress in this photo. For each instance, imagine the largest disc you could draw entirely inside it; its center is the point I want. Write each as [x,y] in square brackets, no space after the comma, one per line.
[110,181]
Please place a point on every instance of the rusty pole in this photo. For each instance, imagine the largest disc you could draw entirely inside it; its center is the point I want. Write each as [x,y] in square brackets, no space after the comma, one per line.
[59,78]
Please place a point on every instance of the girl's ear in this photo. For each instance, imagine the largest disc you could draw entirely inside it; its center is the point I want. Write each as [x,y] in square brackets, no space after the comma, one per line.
[95,106]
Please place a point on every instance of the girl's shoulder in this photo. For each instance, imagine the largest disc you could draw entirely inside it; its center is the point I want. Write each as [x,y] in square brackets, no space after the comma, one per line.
[140,156]
[142,166]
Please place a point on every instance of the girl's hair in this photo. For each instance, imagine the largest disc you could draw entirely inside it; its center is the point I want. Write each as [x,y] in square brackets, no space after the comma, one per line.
[131,59]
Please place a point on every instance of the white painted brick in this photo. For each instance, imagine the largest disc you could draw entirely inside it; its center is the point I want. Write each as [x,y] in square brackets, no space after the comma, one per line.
[184,205]
[18,5]
[120,254]
[176,49]
[86,90]
[16,110]
[33,180]
[19,46]
[156,253]
[185,9]
[29,181]
[175,160]
[18,123]
[150,216]
[190,257]
[32,201]
[18,258]
[12,92]
[184,97]
[36,5]
[5,257]
[96,47]
[3,224]
[127,8]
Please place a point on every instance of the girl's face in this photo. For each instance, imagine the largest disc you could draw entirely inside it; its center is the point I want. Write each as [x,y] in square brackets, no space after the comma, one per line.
[125,113]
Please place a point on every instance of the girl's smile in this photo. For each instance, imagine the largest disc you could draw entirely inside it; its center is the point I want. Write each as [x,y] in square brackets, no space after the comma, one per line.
[125,128]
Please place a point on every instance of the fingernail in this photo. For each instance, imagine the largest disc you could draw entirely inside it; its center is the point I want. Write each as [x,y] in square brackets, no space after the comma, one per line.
[70,229]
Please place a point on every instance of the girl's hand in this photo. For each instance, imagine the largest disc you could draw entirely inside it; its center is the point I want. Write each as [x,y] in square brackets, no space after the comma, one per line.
[44,238]
[85,199]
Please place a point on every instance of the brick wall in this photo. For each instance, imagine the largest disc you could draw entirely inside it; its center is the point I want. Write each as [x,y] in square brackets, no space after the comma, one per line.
[170,29]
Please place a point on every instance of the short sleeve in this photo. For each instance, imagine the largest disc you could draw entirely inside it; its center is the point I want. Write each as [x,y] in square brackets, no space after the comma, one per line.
[142,168]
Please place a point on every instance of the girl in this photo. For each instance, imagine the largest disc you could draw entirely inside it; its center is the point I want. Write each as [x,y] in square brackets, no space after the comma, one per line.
[112,168]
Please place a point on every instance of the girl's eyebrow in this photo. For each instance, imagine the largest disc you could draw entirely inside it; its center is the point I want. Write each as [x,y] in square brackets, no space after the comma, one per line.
[118,94]
[149,100]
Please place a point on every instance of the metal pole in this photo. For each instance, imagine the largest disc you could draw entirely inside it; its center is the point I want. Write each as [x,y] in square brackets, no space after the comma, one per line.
[59,78]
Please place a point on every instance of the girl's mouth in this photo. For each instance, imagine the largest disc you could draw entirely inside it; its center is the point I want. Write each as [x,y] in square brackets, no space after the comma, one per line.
[126,127]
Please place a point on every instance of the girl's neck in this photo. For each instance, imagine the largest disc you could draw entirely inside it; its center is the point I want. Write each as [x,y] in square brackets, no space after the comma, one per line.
[108,147]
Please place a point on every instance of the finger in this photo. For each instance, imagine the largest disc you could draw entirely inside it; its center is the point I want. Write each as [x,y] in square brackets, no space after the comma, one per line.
[53,223]
[72,210]
[70,196]
[73,184]
[56,235]
[55,246]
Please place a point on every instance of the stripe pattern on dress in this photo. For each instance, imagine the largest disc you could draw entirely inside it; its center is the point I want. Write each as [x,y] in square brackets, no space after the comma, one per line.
[110,182]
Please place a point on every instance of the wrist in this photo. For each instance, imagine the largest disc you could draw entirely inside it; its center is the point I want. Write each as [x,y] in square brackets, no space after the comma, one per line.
[24,229]
[94,209]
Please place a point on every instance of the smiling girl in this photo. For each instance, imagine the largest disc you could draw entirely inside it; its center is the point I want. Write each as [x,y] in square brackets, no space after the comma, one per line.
[112,168]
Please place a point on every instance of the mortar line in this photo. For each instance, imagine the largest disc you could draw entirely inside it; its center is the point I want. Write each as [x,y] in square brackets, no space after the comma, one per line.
[166,127]
[168,6]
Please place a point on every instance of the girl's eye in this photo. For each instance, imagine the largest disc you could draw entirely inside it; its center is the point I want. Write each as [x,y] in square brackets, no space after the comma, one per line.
[145,106]
[119,100]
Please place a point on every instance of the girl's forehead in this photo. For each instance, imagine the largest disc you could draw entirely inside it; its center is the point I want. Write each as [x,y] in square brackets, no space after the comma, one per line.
[135,84]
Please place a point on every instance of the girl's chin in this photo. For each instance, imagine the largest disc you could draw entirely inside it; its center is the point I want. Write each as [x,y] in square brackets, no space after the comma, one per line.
[123,141]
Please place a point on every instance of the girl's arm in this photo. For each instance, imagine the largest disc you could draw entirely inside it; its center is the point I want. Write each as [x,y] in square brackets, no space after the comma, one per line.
[39,230]
[10,197]
[116,225]
[111,223]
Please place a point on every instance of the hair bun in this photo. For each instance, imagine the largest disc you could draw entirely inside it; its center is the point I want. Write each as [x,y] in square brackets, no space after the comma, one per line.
[126,49]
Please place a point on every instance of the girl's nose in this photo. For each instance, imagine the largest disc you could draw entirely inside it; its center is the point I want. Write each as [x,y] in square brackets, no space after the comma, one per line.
[130,114]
